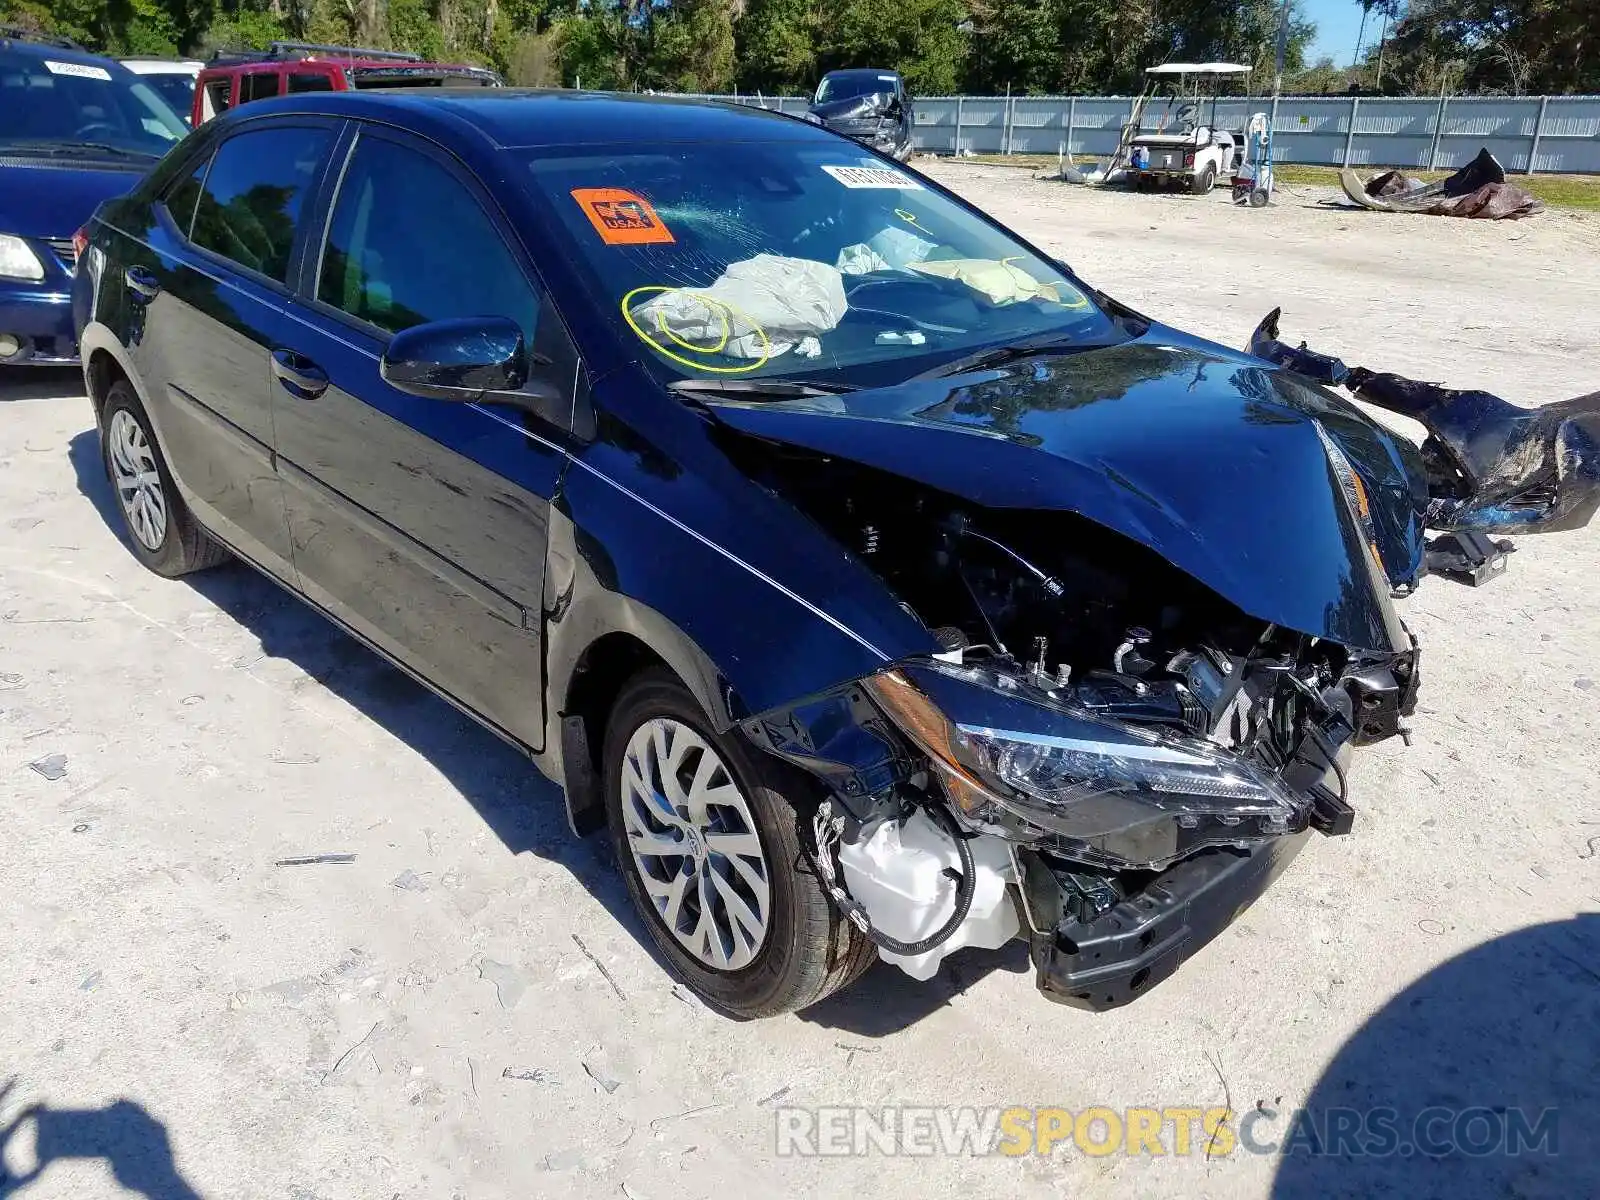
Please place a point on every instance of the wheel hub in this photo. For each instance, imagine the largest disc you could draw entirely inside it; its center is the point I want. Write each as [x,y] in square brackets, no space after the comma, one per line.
[137,480]
[694,843]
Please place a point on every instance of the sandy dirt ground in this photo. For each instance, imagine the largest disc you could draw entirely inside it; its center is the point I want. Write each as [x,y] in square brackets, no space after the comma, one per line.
[469,1010]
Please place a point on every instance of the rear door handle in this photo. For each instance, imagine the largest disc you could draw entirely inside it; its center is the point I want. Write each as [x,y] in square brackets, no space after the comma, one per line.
[299,375]
[142,283]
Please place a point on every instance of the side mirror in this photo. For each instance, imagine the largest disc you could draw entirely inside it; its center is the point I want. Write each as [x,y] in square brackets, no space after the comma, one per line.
[467,358]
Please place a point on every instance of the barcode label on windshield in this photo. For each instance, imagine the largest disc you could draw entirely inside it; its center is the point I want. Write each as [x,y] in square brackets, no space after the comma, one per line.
[81,70]
[872,177]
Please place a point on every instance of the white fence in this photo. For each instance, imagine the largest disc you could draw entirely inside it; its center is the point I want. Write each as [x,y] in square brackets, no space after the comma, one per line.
[1527,133]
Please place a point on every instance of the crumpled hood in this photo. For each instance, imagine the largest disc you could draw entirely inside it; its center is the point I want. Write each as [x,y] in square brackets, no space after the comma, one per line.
[856,108]
[55,200]
[1222,464]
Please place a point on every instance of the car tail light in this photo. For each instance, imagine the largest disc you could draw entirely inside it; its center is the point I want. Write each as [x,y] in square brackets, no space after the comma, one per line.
[1188,159]
[80,243]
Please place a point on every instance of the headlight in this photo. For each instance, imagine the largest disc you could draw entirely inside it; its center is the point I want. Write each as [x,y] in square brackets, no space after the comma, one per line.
[17,259]
[1108,793]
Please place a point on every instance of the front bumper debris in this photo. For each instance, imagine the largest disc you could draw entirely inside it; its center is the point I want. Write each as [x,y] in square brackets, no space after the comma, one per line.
[1121,953]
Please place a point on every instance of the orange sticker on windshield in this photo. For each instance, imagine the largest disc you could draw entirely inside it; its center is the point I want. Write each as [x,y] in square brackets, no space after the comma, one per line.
[622,218]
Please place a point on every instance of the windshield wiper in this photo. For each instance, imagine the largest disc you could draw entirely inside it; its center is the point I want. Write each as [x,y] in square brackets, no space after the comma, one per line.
[997,356]
[66,148]
[774,389]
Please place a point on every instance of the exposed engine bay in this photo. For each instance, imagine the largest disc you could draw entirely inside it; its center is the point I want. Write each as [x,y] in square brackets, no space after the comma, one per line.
[1060,612]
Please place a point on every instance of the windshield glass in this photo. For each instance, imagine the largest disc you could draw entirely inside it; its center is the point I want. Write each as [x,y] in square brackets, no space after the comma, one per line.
[798,258]
[848,87]
[176,88]
[47,104]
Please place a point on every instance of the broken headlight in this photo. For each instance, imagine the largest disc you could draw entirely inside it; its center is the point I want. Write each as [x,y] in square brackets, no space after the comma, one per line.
[1031,766]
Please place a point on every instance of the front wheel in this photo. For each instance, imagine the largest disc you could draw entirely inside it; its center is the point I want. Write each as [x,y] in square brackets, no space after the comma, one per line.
[708,836]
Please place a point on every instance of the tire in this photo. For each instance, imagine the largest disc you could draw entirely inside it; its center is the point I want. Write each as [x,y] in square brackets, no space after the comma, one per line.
[1258,198]
[658,736]
[162,532]
[1205,179]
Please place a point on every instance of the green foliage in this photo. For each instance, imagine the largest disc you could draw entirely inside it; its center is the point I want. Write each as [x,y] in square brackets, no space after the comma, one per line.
[941,46]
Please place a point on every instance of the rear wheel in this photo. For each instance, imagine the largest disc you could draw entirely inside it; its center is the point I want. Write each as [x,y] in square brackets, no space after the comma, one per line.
[162,531]
[1204,180]
[708,835]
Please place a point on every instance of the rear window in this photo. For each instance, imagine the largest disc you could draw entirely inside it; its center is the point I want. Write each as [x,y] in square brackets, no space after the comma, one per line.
[250,206]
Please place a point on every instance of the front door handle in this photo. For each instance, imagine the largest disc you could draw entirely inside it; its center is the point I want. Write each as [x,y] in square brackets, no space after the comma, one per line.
[142,283]
[299,375]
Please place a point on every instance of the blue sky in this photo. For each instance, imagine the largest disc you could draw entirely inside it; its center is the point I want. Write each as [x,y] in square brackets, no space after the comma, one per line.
[1337,23]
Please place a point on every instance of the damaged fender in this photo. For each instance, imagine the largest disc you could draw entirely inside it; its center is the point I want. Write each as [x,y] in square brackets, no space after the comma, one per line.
[1492,466]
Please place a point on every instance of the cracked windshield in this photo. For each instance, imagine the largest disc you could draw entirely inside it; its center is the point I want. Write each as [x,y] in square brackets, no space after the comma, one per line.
[765,259]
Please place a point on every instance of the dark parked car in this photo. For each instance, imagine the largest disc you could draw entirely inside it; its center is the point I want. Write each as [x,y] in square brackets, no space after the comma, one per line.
[879,585]
[866,104]
[74,129]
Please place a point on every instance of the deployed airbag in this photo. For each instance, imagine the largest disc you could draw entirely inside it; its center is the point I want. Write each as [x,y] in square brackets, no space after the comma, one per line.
[757,308]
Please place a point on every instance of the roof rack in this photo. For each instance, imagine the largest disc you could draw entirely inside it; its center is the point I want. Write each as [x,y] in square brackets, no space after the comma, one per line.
[18,33]
[291,51]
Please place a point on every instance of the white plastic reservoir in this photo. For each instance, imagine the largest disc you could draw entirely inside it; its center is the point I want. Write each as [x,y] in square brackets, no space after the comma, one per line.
[898,876]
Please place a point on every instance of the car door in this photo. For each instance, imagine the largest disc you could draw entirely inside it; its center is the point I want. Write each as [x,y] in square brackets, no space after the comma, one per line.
[421,523]
[205,297]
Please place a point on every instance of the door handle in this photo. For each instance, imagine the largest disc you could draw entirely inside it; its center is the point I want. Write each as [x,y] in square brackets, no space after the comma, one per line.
[299,375]
[142,283]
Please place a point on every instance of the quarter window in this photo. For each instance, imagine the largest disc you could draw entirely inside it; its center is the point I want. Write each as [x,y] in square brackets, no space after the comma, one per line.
[251,202]
[409,244]
[182,195]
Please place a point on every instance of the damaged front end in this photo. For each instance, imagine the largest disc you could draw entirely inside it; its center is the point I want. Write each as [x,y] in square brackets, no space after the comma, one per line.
[1106,757]
[1160,582]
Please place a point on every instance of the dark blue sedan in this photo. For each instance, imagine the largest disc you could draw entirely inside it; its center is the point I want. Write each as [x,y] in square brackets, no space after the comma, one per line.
[879,585]
[75,129]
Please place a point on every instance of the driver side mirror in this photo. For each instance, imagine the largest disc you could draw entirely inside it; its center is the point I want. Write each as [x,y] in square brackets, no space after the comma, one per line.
[463,359]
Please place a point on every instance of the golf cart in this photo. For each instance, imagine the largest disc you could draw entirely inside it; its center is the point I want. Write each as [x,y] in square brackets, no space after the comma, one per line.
[1193,152]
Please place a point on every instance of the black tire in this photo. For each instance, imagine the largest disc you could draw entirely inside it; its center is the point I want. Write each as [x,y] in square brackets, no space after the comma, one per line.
[1205,179]
[809,951]
[185,546]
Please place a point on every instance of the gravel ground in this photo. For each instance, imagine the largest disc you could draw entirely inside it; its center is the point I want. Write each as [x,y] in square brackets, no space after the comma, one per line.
[468,1009]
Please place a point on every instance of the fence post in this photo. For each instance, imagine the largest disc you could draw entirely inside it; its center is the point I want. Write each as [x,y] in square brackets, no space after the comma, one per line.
[1350,133]
[1009,120]
[956,150]
[1538,131]
[1072,120]
[1438,130]
[1272,124]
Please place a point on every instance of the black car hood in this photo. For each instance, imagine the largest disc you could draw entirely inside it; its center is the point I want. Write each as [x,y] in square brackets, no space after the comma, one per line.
[1224,465]
[856,108]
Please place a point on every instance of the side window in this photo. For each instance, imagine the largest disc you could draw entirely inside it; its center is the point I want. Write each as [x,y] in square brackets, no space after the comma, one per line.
[216,101]
[259,86]
[251,201]
[409,244]
[182,194]
[299,81]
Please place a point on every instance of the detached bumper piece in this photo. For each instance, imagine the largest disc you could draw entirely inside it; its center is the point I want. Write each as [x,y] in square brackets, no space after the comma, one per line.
[1470,558]
[1124,950]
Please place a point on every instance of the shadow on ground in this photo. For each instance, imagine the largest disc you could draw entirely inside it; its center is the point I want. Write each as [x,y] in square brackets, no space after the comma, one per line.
[1499,1043]
[133,1143]
[524,809]
[41,383]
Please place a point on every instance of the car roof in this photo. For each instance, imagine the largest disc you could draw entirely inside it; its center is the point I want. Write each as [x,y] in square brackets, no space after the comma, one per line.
[532,117]
[32,49]
[852,72]
[162,66]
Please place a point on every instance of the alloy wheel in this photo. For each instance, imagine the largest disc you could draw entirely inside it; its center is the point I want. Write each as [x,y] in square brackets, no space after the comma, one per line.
[694,844]
[137,480]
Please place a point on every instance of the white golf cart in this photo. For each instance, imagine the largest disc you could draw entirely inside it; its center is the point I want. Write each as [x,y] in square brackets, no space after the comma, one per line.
[1187,148]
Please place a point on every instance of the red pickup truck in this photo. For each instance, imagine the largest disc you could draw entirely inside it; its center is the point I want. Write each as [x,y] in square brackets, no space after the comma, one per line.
[237,77]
